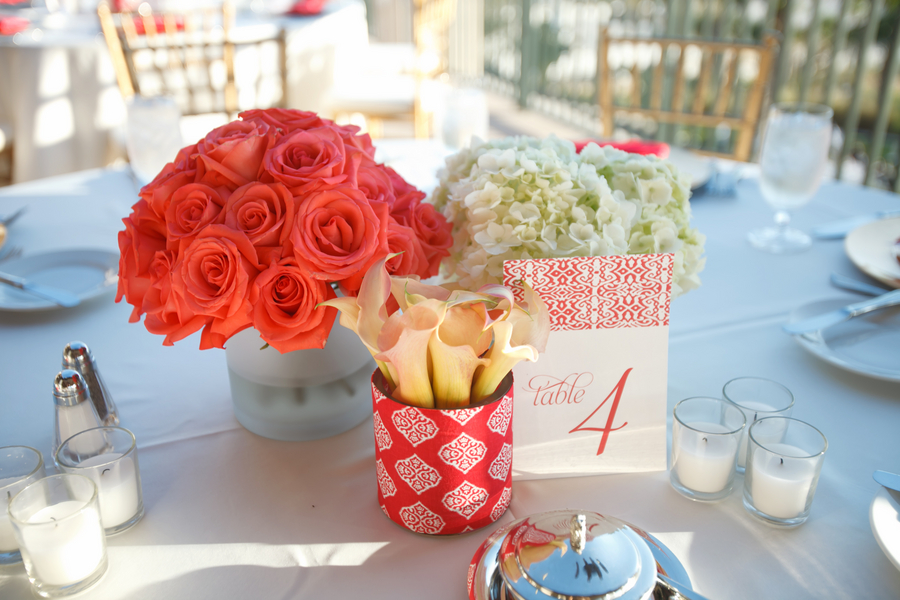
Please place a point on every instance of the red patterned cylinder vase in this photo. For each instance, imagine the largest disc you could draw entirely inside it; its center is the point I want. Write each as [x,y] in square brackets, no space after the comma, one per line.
[443,471]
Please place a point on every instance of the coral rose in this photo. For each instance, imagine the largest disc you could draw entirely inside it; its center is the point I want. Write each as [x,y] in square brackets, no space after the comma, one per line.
[143,236]
[433,231]
[166,313]
[231,155]
[284,299]
[411,258]
[214,277]
[285,120]
[313,158]
[191,208]
[337,235]
[375,182]
[265,212]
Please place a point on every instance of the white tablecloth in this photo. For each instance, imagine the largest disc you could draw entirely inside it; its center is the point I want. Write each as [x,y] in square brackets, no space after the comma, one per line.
[58,89]
[233,515]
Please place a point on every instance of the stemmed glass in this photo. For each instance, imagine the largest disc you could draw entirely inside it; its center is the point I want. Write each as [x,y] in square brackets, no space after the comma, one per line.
[792,163]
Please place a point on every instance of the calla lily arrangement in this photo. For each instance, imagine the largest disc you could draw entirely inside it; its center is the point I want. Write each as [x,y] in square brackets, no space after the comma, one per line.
[443,348]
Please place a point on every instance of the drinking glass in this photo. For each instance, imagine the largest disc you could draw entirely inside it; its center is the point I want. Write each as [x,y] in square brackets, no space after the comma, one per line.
[792,163]
[784,461]
[153,136]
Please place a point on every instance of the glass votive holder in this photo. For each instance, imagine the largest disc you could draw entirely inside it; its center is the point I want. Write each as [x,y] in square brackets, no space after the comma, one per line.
[784,459]
[706,434]
[758,398]
[19,467]
[57,525]
[113,467]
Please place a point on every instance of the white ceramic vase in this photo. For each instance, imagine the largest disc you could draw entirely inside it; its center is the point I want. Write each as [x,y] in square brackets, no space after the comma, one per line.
[300,395]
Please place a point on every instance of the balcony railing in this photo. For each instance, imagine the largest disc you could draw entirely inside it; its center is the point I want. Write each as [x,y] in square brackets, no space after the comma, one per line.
[838,52]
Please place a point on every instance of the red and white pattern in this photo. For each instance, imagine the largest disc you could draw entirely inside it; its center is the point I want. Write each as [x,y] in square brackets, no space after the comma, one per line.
[598,292]
[377,396]
[462,415]
[470,576]
[382,437]
[466,499]
[421,520]
[463,453]
[444,471]
[502,503]
[385,483]
[414,426]
[500,467]
[499,421]
[417,473]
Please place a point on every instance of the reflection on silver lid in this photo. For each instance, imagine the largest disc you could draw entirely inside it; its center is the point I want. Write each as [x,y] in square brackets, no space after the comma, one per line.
[69,388]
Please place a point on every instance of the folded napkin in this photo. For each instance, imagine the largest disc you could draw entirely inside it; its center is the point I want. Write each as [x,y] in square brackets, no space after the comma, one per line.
[660,149]
[307,7]
[13,25]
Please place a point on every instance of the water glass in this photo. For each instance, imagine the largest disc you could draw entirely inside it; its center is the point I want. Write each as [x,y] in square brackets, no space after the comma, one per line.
[57,525]
[153,136]
[706,434]
[113,468]
[784,461]
[792,163]
[757,398]
[19,467]
[464,115]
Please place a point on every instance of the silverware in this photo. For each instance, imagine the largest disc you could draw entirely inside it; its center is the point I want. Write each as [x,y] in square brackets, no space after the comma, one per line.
[6,221]
[55,295]
[855,285]
[10,252]
[888,480]
[834,317]
[838,229]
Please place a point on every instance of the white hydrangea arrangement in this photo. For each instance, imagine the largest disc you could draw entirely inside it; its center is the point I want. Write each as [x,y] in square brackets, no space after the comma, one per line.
[522,197]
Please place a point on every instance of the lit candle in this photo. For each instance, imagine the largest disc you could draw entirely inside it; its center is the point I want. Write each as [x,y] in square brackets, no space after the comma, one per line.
[752,411]
[65,552]
[703,462]
[780,484]
[118,486]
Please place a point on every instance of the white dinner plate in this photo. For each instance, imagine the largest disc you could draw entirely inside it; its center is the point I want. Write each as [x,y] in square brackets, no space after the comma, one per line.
[884,518]
[866,345]
[872,248]
[700,168]
[85,273]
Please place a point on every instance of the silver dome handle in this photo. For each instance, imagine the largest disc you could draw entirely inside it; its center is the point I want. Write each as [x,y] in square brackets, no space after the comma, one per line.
[578,533]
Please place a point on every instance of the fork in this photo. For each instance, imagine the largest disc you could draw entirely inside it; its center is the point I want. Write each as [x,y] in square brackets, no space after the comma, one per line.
[6,221]
[10,252]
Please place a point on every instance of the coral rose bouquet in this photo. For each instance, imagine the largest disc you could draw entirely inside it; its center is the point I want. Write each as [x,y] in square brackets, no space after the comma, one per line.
[252,225]
[521,198]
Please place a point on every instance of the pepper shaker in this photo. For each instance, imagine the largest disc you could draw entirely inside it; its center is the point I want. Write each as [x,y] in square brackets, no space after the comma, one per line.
[75,412]
[78,357]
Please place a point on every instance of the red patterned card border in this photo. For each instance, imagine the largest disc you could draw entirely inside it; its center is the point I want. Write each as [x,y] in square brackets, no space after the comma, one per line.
[598,292]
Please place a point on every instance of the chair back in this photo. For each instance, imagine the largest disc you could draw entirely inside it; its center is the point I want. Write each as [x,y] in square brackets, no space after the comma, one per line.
[432,20]
[193,56]
[707,89]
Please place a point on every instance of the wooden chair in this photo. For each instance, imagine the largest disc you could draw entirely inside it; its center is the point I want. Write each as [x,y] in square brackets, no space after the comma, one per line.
[192,56]
[717,97]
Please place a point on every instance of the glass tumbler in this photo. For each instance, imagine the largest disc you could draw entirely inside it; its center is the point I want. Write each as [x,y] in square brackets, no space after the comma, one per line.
[57,525]
[153,135]
[706,434]
[113,468]
[784,460]
[757,398]
[19,467]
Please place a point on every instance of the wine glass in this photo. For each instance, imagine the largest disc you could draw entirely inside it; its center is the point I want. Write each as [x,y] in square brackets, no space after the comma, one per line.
[153,135]
[792,163]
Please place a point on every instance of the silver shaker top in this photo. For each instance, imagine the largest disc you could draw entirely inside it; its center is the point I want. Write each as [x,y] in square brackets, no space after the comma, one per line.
[77,356]
[69,388]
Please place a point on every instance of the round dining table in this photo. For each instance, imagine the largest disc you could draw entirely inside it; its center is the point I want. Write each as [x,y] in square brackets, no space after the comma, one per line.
[230,514]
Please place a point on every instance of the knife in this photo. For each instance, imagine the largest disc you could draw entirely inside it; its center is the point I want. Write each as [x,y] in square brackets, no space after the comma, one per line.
[839,229]
[55,295]
[842,314]
[888,480]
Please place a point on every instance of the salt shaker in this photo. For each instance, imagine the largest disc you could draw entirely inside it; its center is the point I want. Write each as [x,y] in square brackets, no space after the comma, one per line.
[75,412]
[78,357]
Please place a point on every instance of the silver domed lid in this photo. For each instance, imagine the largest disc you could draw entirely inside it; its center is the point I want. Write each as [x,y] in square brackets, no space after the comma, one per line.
[69,388]
[76,354]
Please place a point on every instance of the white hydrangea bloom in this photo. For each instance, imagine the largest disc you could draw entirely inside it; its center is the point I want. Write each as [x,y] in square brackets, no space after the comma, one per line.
[521,197]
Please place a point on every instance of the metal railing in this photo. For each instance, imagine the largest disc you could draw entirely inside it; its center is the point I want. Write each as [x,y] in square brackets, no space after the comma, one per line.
[844,53]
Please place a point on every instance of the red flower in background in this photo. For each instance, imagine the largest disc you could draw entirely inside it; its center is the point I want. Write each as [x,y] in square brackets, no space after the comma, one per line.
[251,225]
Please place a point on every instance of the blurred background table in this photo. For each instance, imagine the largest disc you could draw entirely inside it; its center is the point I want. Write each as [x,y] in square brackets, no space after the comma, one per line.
[233,515]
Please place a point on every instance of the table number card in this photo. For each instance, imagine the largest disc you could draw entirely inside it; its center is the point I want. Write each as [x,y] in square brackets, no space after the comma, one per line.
[595,402]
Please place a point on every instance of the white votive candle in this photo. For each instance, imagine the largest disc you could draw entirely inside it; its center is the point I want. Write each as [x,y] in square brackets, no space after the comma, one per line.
[117,484]
[780,485]
[753,411]
[66,552]
[704,463]
[7,537]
